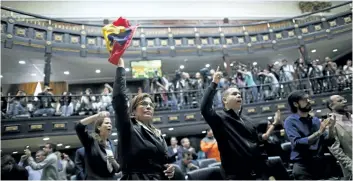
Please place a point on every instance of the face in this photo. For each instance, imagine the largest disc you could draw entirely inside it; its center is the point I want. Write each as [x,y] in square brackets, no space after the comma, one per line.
[198,75]
[186,143]
[87,92]
[40,156]
[349,63]
[173,141]
[106,91]
[233,99]
[339,103]
[106,128]
[284,62]
[6,167]
[145,109]
[210,133]
[304,105]
[47,150]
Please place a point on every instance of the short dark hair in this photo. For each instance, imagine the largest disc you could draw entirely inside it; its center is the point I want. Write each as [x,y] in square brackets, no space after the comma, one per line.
[208,130]
[293,97]
[52,146]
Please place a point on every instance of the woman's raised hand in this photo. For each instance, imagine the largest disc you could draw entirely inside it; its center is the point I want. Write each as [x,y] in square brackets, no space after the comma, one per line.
[103,114]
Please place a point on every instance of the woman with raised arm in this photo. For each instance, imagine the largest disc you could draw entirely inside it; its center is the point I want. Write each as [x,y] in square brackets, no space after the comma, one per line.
[142,148]
[100,163]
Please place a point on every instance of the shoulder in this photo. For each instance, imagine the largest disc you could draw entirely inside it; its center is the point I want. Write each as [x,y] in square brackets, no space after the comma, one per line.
[316,120]
[290,120]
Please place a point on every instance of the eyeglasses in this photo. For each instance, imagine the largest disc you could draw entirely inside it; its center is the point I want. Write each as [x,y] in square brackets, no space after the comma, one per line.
[145,104]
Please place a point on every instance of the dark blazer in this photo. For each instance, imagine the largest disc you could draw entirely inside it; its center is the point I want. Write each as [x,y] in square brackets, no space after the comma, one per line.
[95,161]
[177,155]
[80,164]
[142,154]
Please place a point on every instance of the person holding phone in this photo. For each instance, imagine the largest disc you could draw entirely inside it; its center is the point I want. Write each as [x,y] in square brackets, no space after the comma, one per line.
[341,149]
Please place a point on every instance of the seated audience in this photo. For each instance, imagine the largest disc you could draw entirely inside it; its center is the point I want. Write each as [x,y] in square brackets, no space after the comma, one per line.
[187,163]
[185,142]
[209,146]
[67,108]
[174,150]
[45,99]
[18,105]
[105,103]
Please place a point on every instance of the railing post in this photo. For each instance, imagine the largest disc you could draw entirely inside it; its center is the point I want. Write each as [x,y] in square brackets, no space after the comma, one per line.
[47,68]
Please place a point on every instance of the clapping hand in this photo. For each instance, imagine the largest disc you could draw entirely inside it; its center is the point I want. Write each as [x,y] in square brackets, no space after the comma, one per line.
[277,118]
[27,152]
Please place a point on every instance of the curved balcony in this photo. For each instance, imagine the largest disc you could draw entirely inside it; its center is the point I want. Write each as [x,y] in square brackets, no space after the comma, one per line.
[38,33]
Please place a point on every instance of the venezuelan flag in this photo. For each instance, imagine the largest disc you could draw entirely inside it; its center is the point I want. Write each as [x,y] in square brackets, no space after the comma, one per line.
[118,36]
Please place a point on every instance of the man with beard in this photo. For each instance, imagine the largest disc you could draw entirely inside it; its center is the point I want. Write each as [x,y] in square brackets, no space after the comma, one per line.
[341,149]
[307,136]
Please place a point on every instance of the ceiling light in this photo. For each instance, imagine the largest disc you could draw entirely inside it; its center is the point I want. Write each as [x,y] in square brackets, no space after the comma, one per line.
[98,71]
[170,129]
[203,132]
[185,60]
[276,62]
[207,65]
[269,117]
[313,51]
[231,64]
[15,152]
[181,66]
[114,134]
[68,146]
[21,62]
[127,69]
[46,139]
[116,140]
[33,74]
[60,144]
[334,50]
[254,63]
[318,111]
[66,72]
[164,135]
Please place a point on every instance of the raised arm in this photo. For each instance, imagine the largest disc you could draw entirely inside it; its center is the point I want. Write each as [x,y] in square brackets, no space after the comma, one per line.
[50,159]
[120,103]
[207,111]
[81,130]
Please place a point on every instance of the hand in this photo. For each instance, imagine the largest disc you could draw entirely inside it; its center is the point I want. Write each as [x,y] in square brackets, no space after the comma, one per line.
[217,76]
[323,125]
[27,152]
[121,63]
[66,157]
[277,118]
[114,163]
[332,120]
[103,114]
[23,158]
[169,172]
[265,136]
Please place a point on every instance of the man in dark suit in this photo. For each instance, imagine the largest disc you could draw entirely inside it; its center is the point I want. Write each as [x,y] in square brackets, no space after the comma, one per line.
[174,150]
[80,164]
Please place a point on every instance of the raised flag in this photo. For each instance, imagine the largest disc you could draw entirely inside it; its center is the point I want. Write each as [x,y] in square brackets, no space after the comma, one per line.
[118,36]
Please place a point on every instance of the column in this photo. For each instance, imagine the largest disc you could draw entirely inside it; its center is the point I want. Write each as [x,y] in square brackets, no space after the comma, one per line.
[47,68]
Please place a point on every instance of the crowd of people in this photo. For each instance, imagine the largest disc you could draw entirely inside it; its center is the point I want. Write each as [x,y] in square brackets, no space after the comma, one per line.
[184,91]
[233,140]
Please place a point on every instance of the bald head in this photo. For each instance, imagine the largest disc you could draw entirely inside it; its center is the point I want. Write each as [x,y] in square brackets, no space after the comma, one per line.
[337,103]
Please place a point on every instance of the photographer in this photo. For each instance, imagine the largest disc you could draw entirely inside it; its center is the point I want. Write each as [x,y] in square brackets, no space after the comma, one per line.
[45,100]
[302,72]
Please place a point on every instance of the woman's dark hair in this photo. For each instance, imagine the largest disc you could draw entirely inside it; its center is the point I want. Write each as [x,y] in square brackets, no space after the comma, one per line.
[137,99]
[295,97]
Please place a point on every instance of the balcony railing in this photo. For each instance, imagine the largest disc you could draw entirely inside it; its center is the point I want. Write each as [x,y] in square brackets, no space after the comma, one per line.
[29,106]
